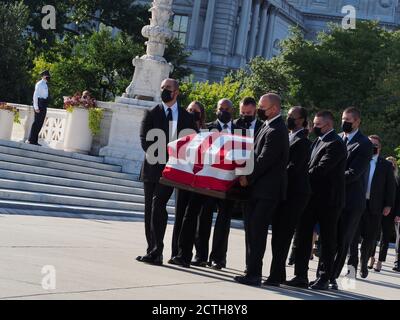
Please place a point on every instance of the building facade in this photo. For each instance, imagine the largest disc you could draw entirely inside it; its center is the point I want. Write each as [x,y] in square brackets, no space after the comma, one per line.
[223,35]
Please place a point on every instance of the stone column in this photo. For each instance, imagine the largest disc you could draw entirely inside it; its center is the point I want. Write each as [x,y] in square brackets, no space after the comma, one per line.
[243,27]
[208,24]
[254,27]
[269,41]
[194,23]
[263,30]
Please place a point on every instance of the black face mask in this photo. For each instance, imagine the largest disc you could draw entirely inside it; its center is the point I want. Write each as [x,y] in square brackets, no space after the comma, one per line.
[291,124]
[47,79]
[318,132]
[375,150]
[247,119]
[347,127]
[224,116]
[261,115]
[196,115]
[166,96]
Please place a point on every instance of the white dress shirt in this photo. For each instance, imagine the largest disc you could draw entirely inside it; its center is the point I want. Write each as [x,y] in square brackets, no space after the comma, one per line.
[41,91]
[253,125]
[372,167]
[350,135]
[175,114]
[293,134]
[229,129]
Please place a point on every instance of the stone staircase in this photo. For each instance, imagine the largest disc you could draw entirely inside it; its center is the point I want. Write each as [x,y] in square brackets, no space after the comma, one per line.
[37,180]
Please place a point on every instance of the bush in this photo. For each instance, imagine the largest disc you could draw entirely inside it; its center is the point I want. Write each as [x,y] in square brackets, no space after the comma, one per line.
[210,93]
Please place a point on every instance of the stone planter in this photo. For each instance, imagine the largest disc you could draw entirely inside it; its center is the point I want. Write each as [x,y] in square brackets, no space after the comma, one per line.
[78,137]
[6,124]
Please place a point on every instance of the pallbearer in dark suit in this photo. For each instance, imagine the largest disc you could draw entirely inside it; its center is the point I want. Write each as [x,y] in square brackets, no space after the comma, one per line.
[268,183]
[196,109]
[387,226]
[40,105]
[201,208]
[249,124]
[171,119]
[248,119]
[326,169]
[359,154]
[298,194]
[217,258]
[397,227]
[381,189]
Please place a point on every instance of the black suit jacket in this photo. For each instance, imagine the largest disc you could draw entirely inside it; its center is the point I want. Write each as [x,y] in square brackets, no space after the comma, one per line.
[397,204]
[216,126]
[155,118]
[297,168]
[239,124]
[383,187]
[359,154]
[271,154]
[327,171]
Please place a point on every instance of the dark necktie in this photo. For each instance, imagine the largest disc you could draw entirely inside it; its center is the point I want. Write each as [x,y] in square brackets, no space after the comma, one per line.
[225,127]
[169,120]
[346,140]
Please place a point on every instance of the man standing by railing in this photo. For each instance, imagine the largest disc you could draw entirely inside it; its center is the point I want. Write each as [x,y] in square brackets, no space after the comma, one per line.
[40,104]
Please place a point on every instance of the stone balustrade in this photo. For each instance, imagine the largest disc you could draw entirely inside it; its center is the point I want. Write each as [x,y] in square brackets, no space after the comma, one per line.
[53,131]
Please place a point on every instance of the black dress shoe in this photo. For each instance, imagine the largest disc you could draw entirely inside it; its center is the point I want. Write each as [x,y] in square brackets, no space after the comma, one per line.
[250,281]
[272,283]
[333,285]
[320,284]
[178,261]
[198,263]
[298,282]
[217,265]
[158,261]
[364,271]
[34,144]
[364,274]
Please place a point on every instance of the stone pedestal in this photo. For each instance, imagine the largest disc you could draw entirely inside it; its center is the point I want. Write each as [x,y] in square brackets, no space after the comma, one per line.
[147,79]
[124,147]
[152,68]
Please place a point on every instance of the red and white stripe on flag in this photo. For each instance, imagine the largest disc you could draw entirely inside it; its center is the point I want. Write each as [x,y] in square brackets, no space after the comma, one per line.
[207,160]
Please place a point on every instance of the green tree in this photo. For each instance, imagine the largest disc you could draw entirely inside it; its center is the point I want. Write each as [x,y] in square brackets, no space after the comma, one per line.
[13,62]
[94,58]
[342,68]
[210,93]
[176,54]
[125,15]
[262,76]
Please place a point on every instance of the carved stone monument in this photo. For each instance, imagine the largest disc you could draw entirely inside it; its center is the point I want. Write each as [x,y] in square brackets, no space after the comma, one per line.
[152,68]
[124,147]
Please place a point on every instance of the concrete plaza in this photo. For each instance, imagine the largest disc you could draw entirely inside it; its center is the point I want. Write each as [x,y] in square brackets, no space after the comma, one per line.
[94,259]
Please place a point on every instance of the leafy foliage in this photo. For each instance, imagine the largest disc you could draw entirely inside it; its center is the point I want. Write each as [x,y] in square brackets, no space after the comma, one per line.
[13,61]
[210,93]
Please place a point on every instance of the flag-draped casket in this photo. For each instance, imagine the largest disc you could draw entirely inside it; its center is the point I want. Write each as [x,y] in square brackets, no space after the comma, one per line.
[208,160]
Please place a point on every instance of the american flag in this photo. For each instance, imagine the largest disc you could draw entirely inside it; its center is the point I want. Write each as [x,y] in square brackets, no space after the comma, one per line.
[210,160]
